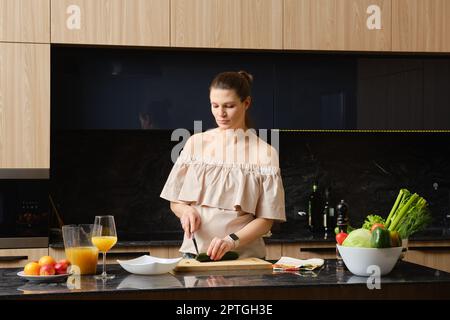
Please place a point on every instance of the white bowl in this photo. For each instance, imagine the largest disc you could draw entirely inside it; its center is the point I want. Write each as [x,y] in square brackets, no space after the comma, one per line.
[365,261]
[148,265]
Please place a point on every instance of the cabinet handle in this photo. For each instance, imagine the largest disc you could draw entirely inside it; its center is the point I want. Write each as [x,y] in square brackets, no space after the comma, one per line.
[317,250]
[13,258]
[128,255]
[424,248]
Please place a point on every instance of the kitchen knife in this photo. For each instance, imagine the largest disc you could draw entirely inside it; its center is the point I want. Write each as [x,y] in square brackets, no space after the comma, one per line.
[195,243]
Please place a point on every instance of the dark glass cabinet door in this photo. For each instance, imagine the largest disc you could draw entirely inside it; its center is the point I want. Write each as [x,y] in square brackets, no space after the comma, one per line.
[110,88]
[134,89]
[315,93]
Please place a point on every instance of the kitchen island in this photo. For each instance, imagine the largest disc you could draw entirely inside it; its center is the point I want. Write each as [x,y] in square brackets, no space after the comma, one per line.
[406,281]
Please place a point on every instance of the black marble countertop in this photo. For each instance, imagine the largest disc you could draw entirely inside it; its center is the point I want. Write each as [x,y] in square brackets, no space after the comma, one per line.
[328,276]
[301,236]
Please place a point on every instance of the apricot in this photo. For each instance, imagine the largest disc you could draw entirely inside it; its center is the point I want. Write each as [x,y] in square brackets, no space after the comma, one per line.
[47,260]
[32,269]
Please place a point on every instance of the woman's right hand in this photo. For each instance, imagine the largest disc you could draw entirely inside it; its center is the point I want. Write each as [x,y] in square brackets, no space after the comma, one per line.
[190,221]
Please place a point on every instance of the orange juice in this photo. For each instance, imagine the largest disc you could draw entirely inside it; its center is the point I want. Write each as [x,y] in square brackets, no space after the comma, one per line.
[84,257]
[104,243]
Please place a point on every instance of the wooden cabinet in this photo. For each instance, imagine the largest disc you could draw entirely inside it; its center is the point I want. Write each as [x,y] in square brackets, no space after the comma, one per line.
[274,251]
[16,258]
[121,253]
[421,25]
[24,105]
[363,25]
[25,21]
[113,22]
[255,24]
[165,251]
[307,250]
[431,254]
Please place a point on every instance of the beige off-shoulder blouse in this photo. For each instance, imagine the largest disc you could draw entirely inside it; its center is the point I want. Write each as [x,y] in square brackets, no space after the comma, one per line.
[230,177]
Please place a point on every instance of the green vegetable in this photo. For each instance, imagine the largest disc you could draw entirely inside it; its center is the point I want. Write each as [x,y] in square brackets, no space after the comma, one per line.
[409,214]
[371,220]
[230,255]
[358,238]
[380,238]
[349,229]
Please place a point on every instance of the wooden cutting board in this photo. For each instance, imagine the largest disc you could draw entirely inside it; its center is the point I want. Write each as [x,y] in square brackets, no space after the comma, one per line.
[187,265]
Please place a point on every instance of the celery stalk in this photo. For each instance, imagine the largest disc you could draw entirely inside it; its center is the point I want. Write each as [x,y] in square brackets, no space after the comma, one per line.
[400,196]
[402,212]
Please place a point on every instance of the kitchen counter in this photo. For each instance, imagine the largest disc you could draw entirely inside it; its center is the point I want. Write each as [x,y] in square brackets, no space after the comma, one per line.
[301,236]
[407,280]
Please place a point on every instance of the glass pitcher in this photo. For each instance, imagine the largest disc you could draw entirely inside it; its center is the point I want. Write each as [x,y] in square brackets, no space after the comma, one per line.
[79,248]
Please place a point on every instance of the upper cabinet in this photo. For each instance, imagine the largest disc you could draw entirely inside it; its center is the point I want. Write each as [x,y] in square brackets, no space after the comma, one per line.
[436,94]
[250,24]
[390,95]
[25,21]
[360,25]
[111,22]
[24,105]
[421,25]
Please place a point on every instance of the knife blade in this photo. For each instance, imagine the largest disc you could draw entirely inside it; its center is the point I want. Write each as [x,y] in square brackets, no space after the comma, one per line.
[195,243]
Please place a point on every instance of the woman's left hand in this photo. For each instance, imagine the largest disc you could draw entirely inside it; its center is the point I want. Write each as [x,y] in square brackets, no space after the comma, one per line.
[218,247]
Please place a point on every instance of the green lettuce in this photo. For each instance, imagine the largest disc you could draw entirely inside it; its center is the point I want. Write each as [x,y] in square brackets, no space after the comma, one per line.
[371,220]
[358,238]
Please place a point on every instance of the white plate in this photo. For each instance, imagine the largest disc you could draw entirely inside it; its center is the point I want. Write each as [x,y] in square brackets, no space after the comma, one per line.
[148,265]
[56,277]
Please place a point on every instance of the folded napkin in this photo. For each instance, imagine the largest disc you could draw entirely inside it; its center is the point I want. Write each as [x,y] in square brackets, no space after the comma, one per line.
[292,264]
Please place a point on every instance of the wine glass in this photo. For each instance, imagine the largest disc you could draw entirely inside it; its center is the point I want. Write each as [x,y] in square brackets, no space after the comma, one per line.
[104,237]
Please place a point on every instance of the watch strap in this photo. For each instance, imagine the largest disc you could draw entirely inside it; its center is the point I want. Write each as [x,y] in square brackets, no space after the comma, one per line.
[235,239]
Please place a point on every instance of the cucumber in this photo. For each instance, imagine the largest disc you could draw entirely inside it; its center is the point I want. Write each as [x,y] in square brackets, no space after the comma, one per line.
[230,255]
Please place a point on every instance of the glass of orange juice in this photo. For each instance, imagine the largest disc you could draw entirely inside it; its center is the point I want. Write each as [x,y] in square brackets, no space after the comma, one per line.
[104,237]
[79,249]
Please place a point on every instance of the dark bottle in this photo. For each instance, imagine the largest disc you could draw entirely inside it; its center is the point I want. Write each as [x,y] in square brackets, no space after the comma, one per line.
[342,224]
[328,220]
[342,216]
[314,209]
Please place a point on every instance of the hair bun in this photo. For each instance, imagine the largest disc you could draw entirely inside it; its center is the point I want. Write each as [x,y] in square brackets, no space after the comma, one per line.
[247,76]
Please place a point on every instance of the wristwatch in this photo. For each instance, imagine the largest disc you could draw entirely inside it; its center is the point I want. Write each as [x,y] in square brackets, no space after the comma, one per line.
[235,239]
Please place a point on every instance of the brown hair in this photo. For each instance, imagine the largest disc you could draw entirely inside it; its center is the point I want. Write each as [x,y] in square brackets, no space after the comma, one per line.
[240,81]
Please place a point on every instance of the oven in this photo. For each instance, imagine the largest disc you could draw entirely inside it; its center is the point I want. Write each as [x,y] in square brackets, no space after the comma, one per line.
[24,213]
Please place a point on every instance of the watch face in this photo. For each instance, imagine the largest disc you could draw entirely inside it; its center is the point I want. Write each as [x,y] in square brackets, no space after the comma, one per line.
[234,237]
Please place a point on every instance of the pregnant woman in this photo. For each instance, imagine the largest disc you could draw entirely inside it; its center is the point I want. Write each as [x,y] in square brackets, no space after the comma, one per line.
[225,186]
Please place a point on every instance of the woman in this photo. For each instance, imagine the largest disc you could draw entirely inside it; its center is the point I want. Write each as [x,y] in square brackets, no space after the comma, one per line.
[225,186]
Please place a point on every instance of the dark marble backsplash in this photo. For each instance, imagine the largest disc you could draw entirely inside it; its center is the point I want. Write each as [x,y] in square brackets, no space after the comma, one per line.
[122,172]
[367,170]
